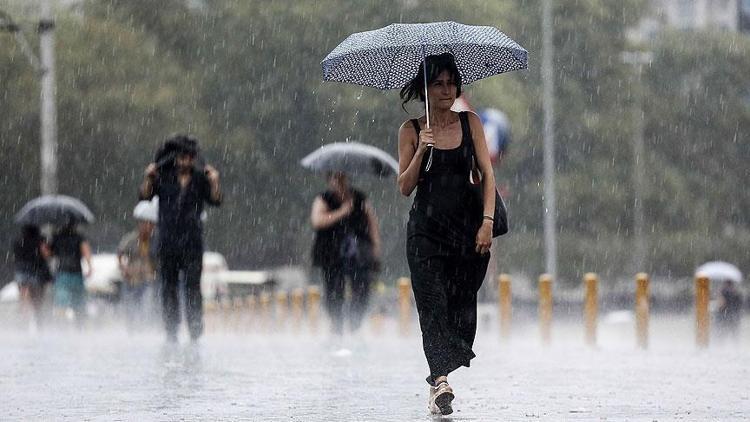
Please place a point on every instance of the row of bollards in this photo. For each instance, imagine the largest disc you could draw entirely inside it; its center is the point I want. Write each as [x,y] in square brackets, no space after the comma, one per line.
[301,307]
[292,309]
[590,308]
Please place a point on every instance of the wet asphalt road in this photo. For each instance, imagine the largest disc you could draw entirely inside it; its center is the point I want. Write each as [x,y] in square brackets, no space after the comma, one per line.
[105,374]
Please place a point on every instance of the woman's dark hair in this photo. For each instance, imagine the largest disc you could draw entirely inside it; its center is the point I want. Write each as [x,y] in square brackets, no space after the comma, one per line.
[435,66]
[30,231]
[70,226]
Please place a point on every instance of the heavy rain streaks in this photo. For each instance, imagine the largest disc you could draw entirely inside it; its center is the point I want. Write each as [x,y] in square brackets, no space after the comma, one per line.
[651,104]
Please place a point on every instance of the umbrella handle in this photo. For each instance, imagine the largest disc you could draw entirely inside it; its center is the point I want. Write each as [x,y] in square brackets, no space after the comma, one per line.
[426,104]
[426,99]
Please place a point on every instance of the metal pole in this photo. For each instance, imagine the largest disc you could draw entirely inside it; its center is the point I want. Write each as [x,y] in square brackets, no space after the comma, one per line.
[48,111]
[637,60]
[548,88]
[639,220]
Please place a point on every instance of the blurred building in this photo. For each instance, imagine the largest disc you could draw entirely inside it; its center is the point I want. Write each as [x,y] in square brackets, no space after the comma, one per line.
[699,14]
[721,15]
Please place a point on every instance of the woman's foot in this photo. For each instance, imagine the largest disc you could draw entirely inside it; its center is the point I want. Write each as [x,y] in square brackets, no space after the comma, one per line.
[441,396]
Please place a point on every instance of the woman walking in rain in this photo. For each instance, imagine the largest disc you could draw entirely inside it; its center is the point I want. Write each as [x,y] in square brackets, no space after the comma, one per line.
[450,227]
[30,251]
[69,247]
[347,245]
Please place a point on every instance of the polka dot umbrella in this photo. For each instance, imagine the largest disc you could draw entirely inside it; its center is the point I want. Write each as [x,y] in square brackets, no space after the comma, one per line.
[390,57]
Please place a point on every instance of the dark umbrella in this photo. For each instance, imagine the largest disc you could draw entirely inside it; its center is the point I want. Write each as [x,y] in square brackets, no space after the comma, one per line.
[389,57]
[351,158]
[54,209]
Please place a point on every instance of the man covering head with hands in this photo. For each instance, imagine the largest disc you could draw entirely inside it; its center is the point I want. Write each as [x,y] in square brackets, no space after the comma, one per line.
[183,188]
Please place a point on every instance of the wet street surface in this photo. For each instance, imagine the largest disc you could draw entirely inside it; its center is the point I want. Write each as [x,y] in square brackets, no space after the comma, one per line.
[105,374]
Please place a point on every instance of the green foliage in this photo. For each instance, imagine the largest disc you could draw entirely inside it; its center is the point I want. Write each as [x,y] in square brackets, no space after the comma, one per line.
[244,76]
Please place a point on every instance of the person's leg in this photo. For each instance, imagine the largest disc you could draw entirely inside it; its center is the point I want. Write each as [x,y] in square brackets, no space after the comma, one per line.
[36,296]
[442,346]
[467,276]
[127,304]
[361,279]
[193,266]
[170,308]
[333,280]
[78,299]
[23,281]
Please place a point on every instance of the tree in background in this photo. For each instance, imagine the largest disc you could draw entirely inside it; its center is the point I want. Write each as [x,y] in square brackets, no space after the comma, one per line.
[245,78]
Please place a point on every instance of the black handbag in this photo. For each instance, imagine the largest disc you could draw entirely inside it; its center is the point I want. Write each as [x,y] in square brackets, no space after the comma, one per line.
[500,218]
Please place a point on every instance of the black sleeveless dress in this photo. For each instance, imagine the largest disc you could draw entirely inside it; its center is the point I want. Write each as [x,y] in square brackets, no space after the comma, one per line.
[446,270]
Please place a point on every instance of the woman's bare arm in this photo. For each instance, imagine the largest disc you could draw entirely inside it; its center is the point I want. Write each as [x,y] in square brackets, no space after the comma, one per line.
[410,153]
[86,254]
[373,229]
[322,218]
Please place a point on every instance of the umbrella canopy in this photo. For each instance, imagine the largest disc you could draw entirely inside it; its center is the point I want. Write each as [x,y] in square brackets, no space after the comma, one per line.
[389,58]
[351,158]
[54,209]
[720,271]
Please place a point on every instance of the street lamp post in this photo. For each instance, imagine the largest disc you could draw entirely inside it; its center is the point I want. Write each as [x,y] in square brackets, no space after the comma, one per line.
[44,66]
[548,92]
[48,95]
[638,59]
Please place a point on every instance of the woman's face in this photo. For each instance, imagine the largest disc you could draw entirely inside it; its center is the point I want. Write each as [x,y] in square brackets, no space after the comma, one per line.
[442,91]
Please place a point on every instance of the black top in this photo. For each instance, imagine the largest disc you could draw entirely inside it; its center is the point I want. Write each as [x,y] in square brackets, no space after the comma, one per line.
[445,211]
[28,256]
[349,238]
[180,226]
[66,247]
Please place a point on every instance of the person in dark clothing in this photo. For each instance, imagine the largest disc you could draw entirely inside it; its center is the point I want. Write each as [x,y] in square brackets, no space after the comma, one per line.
[69,247]
[183,189]
[450,229]
[729,312]
[32,274]
[347,245]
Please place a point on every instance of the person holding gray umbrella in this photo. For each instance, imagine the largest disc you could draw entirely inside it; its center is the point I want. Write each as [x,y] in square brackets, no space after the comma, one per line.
[449,231]
[453,219]
[347,237]
[30,253]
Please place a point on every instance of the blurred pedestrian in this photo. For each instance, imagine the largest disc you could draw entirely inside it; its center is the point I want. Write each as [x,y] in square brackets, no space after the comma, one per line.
[183,188]
[134,256]
[450,227]
[30,253]
[69,247]
[729,312]
[347,247]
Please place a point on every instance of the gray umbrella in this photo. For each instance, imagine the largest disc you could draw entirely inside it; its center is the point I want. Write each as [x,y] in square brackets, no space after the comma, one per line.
[351,158]
[54,209]
[389,57]
[719,271]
